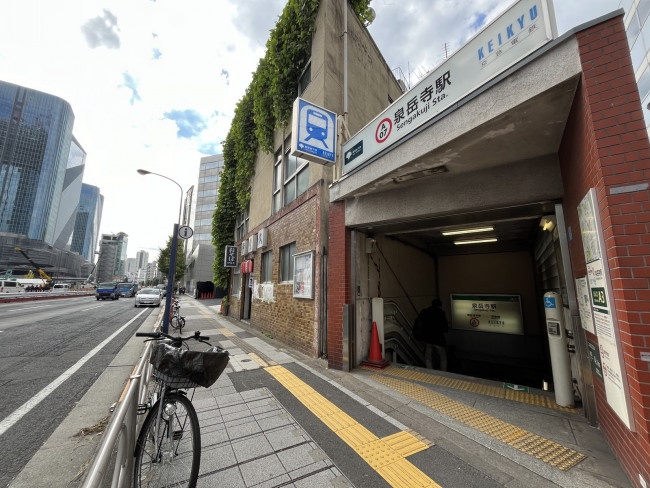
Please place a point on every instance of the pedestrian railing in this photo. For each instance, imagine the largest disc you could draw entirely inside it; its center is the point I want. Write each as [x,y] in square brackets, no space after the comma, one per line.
[122,430]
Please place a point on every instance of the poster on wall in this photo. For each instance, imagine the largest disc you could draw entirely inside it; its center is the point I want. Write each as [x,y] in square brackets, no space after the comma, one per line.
[604,314]
[303,275]
[487,313]
[584,304]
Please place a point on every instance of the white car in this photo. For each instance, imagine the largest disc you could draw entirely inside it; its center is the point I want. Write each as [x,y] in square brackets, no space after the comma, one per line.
[147,296]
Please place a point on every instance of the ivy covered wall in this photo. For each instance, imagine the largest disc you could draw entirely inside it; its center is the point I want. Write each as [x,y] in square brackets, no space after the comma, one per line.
[265,107]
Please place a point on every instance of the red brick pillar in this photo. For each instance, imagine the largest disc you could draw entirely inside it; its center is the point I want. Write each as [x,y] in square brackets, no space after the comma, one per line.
[605,146]
[338,283]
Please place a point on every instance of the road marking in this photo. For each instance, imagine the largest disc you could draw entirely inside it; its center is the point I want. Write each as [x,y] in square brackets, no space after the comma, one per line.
[20,412]
[27,308]
[387,456]
[92,308]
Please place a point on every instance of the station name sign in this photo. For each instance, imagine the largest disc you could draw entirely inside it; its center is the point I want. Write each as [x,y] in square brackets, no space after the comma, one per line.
[522,29]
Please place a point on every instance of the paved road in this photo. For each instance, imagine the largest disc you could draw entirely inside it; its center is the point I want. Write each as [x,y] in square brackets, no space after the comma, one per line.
[53,346]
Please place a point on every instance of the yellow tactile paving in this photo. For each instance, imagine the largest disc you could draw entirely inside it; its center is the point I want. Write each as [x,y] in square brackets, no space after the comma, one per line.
[258,359]
[481,389]
[550,452]
[387,456]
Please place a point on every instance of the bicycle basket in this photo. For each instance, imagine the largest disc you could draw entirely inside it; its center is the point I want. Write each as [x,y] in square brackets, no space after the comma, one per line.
[181,368]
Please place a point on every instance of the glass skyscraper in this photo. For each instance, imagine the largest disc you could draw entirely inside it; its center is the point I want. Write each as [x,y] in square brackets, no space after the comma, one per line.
[86,228]
[35,138]
[637,28]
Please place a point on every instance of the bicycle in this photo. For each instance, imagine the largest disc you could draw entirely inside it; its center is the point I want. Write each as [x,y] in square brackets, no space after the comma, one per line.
[175,319]
[168,449]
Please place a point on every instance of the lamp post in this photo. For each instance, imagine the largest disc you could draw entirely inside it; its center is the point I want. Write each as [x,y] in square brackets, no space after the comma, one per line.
[172,256]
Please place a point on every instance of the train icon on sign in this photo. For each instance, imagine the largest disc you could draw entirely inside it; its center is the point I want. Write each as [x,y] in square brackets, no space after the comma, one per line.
[317,126]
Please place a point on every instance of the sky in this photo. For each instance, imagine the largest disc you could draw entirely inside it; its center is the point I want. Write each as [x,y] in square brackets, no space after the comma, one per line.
[153,84]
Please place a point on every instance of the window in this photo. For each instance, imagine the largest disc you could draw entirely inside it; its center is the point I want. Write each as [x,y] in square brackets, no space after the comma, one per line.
[277,182]
[236,281]
[209,179]
[267,267]
[207,193]
[296,174]
[286,261]
[206,207]
[242,225]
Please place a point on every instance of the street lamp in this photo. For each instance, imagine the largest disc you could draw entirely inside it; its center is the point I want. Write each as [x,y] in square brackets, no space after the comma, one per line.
[172,257]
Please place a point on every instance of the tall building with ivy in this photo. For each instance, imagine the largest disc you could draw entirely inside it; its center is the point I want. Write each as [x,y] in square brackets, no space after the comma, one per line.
[281,201]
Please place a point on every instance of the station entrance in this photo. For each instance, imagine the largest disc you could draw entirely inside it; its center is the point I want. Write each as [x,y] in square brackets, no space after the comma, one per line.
[508,256]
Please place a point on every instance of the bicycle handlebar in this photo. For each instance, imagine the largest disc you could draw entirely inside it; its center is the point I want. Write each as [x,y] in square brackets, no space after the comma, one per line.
[161,335]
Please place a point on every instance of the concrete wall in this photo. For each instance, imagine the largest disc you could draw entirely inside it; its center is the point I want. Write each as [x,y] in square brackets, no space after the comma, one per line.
[299,322]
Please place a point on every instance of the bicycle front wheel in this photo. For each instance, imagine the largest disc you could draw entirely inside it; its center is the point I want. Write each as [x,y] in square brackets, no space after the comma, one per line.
[173,455]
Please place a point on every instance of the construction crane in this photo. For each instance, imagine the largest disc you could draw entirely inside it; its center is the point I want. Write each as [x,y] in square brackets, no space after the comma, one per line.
[49,282]
[90,276]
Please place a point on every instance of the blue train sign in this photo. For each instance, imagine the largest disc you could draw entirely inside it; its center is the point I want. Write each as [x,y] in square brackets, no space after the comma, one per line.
[313,133]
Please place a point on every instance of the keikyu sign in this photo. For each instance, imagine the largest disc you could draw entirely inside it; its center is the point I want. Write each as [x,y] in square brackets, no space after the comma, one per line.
[522,29]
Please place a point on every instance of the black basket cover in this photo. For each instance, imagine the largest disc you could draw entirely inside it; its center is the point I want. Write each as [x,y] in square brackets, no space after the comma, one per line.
[202,367]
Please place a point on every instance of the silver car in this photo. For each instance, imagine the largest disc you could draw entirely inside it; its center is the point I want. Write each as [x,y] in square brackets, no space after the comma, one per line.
[147,296]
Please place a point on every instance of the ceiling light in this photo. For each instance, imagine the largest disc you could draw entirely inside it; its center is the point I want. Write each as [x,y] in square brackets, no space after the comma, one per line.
[476,241]
[467,231]
[548,222]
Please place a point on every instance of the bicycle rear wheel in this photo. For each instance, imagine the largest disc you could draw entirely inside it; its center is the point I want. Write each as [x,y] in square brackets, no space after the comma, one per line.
[171,458]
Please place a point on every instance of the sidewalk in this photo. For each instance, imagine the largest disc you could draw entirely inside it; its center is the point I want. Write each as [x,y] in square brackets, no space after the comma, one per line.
[278,418]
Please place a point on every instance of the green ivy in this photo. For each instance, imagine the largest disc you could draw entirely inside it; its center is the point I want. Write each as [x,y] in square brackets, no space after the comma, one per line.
[265,107]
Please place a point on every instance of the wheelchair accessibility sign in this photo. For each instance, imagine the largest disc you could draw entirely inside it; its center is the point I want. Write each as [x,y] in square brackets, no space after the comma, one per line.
[313,133]
[549,302]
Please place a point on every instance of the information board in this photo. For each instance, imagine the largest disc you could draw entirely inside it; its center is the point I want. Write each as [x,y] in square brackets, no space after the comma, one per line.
[602,308]
[487,313]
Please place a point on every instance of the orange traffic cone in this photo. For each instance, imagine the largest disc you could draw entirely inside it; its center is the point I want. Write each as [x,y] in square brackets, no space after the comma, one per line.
[375,359]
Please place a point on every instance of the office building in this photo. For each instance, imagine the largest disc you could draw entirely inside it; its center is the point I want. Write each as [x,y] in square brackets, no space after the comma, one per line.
[88,219]
[70,195]
[111,263]
[41,171]
[35,140]
[199,251]
[637,28]
[141,259]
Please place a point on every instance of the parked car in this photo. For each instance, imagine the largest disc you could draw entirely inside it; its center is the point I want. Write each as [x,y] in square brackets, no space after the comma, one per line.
[162,289]
[148,296]
[11,286]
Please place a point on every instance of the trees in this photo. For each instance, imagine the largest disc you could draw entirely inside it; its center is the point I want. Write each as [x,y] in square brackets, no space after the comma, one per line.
[163,259]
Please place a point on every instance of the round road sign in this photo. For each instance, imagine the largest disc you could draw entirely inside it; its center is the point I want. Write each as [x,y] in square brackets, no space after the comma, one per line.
[185,232]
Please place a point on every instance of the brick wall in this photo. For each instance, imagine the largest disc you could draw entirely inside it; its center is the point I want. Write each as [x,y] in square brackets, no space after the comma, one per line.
[293,321]
[338,283]
[605,146]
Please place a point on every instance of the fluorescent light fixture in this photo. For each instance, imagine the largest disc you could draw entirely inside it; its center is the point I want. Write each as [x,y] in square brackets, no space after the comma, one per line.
[467,231]
[476,241]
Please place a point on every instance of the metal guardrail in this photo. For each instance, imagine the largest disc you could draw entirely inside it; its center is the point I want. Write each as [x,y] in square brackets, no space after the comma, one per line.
[122,429]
